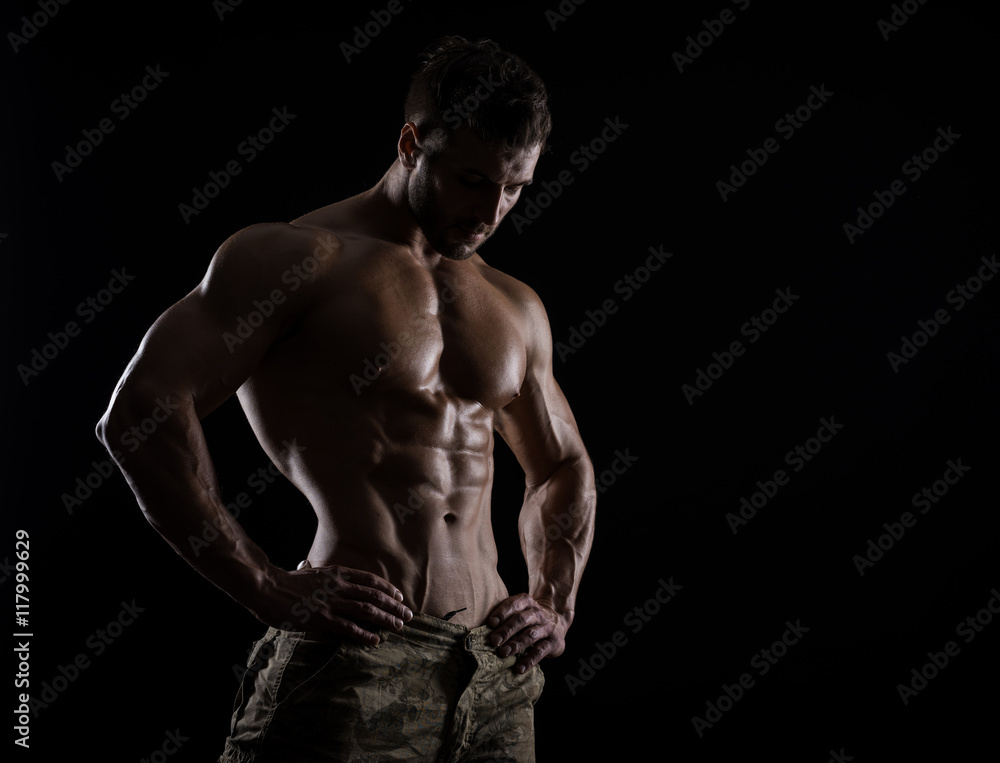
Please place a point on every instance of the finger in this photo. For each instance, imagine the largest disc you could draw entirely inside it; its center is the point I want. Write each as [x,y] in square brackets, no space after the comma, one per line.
[357,621]
[355,632]
[533,656]
[357,602]
[365,614]
[508,635]
[525,638]
[507,607]
[362,578]
[380,601]
[359,585]
[359,592]
[384,616]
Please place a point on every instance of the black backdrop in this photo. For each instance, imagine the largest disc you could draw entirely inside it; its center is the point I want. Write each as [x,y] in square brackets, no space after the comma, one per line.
[673,463]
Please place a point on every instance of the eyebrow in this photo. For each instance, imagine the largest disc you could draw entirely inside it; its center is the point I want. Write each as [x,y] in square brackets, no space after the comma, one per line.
[479,173]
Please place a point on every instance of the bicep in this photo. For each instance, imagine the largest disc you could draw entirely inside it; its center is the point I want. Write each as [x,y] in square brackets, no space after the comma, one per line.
[539,425]
[207,344]
[184,353]
[541,431]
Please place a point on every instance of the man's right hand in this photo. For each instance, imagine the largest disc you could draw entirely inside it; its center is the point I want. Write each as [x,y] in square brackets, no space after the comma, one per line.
[331,600]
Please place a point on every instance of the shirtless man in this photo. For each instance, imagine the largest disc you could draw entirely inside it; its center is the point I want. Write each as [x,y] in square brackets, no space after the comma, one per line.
[374,353]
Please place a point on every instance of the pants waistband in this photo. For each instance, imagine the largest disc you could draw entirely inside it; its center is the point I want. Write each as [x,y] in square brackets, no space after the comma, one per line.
[429,631]
[422,630]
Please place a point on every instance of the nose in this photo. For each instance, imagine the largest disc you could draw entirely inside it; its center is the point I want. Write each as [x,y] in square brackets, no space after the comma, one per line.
[490,208]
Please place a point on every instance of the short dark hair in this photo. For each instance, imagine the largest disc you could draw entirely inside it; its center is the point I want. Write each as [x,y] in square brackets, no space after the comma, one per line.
[477,85]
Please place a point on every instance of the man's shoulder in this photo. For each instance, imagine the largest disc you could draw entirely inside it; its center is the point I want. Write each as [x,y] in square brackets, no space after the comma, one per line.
[278,240]
[517,291]
[528,305]
[272,248]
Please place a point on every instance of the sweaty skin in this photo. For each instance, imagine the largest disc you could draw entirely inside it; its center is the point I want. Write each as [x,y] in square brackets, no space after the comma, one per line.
[375,354]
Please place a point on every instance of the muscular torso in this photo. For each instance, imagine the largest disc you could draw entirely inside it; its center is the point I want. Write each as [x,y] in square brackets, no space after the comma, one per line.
[379,402]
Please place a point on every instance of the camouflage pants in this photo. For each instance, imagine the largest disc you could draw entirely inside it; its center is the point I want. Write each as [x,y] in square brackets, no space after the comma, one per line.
[435,691]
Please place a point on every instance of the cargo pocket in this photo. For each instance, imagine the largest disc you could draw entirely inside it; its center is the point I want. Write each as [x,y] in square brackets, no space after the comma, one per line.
[530,683]
[307,660]
[251,707]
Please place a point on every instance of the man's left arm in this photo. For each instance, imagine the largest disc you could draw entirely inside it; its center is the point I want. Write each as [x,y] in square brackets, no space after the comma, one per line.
[556,523]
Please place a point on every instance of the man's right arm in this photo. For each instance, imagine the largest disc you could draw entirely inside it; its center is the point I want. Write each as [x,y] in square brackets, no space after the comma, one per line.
[184,369]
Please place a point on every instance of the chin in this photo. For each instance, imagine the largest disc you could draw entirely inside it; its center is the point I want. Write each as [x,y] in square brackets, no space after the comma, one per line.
[457,253]
[451,249]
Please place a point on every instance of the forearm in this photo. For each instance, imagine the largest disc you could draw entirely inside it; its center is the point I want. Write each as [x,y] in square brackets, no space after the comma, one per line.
[171,473]
[557,530]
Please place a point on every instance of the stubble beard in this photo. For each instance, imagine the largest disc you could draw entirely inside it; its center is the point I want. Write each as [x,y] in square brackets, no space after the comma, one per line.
[429,217]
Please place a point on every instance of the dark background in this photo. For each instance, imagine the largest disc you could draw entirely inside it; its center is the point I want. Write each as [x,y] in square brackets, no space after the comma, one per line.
[664,517]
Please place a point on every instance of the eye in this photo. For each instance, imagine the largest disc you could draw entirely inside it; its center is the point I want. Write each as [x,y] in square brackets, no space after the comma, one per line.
[471,182]
[513,190]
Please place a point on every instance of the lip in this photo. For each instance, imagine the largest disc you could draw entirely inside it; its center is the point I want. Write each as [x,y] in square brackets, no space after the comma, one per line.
[466,235]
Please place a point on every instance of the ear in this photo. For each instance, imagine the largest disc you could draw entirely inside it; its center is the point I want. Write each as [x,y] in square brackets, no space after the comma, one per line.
[410,146]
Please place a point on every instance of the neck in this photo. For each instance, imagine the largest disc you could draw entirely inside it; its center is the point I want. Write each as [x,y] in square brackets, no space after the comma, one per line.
[390,194]
[392,188]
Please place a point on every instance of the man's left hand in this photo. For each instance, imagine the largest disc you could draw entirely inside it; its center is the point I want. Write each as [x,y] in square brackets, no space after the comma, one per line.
[522,623]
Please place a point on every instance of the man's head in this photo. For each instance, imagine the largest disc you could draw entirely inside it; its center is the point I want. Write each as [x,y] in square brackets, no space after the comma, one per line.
[477,120]
[478,86]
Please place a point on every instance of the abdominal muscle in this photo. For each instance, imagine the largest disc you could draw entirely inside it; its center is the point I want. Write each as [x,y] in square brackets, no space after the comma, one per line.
[435,546]
[401,488]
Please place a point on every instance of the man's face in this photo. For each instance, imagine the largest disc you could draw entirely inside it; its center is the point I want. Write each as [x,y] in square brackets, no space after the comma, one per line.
[460,195]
